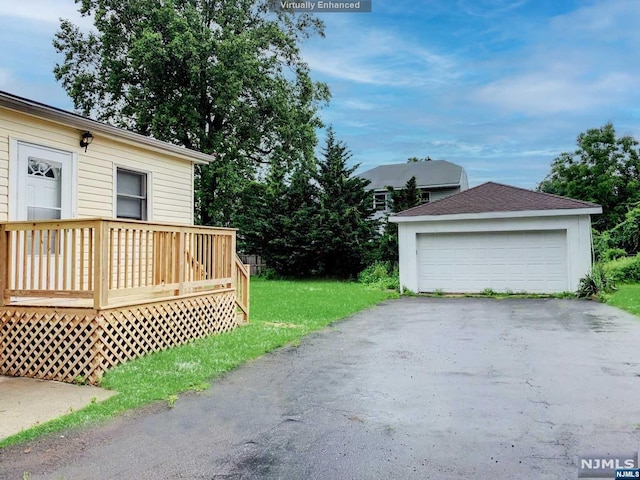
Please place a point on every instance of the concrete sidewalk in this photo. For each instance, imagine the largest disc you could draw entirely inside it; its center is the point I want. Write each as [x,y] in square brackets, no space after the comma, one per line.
[26,402]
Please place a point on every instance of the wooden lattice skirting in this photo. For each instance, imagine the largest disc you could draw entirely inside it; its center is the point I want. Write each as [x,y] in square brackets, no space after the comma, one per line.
[64,344]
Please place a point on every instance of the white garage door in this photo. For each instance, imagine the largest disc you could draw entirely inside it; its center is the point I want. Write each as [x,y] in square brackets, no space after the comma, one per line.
[534,262]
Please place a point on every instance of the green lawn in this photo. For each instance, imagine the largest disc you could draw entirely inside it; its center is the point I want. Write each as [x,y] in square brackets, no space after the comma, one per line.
[281,313]
[626,297]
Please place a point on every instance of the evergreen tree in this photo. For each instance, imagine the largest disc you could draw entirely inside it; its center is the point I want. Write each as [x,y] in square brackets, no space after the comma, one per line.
[288,245]
[345,233]
[315,221]
[405,198]
[277,219]
[401,200]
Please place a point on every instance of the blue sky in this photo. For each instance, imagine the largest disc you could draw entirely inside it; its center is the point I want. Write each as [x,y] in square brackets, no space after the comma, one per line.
[500,87]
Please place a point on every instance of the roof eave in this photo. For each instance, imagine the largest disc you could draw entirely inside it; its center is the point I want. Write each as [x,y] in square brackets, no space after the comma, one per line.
[70,119]
[562,212]
[434,185]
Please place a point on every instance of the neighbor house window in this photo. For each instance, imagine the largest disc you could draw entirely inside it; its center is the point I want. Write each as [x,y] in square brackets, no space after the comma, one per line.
[381,201]
[131,194]
[424,196]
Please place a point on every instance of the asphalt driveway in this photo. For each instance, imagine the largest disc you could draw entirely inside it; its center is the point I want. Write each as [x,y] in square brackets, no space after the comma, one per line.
[414,388]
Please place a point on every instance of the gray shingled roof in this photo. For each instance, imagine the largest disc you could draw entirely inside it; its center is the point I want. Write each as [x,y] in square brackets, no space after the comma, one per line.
[428,174]
[495,197]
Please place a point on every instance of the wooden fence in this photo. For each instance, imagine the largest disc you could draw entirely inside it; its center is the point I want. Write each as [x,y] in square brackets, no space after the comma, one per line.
[256,264]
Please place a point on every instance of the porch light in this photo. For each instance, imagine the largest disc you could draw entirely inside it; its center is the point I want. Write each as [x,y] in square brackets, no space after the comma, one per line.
[86,140]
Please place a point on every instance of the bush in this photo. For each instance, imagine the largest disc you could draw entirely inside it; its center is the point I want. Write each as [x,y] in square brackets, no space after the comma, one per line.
[624,270]
[612,254]
[602,243]
[271,274]
[625,236]
[596,282]
[380,275]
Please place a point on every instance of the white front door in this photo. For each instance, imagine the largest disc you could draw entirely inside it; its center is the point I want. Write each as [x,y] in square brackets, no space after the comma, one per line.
[44,183]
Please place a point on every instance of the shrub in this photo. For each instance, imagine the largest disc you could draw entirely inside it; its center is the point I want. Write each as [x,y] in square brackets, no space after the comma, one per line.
[624,270]
[624,236]
[612,254]
[380,275]
[270,274]
[596,282]
[602,242]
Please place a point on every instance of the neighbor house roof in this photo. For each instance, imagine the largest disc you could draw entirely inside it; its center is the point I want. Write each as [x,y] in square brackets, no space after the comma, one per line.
[56,115]
[496,197]
[432,173]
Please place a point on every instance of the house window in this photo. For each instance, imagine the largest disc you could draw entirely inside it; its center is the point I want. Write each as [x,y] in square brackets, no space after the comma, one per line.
[424,196]
[131,195]
[381,201]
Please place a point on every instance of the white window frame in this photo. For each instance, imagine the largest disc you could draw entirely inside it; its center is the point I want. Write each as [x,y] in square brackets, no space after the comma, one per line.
[149,176]
[387,201]
[424,192]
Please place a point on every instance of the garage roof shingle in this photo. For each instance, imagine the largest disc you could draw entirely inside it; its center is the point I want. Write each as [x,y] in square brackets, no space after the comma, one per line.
[495,197]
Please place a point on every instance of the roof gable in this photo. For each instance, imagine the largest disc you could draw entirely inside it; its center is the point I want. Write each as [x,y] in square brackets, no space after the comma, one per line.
[432,173]
[496,197]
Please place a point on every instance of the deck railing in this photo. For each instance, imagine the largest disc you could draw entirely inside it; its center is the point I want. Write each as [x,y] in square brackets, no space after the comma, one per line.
[115,262]
[242,288]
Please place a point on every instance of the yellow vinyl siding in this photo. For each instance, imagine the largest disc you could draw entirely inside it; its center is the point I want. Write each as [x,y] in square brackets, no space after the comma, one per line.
[4,174]
[171,194]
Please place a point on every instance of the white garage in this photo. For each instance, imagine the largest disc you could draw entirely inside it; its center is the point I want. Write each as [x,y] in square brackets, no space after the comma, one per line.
[495,237]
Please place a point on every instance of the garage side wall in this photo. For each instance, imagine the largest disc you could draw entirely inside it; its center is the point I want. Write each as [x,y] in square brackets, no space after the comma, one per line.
[578,235]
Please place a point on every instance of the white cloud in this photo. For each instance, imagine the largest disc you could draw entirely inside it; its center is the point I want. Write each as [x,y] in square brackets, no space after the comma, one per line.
[6,79]
[601,22]
[540,93]
[44,11]
[379,57]
[489,8]
[359,105]
[576,63]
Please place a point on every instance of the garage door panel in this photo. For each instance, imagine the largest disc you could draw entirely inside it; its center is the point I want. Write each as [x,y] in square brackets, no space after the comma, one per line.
[470,262]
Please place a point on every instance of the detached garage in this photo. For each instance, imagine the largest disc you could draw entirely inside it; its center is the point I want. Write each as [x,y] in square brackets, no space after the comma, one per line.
[495,236]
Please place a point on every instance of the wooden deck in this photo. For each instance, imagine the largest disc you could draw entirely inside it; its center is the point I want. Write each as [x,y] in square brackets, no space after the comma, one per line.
[79,296]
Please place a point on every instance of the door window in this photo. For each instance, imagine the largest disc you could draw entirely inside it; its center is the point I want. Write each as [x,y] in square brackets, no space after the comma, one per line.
[44,192]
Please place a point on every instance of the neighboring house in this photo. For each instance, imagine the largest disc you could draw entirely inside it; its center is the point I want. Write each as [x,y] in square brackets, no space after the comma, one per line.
[98,247]
[496,236]
[436,179]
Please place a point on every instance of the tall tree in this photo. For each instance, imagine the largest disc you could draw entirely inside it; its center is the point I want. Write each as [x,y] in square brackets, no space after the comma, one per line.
[223,77]
[287,244]
[401,200]
[346,231]
[281,220]
[406,197]
[604,169]
[314,221]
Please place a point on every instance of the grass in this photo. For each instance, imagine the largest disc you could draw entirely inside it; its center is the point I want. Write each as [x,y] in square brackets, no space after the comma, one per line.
[281,313]
[626,297]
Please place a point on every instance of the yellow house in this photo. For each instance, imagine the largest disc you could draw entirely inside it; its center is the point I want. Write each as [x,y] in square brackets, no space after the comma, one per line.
[99,259]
